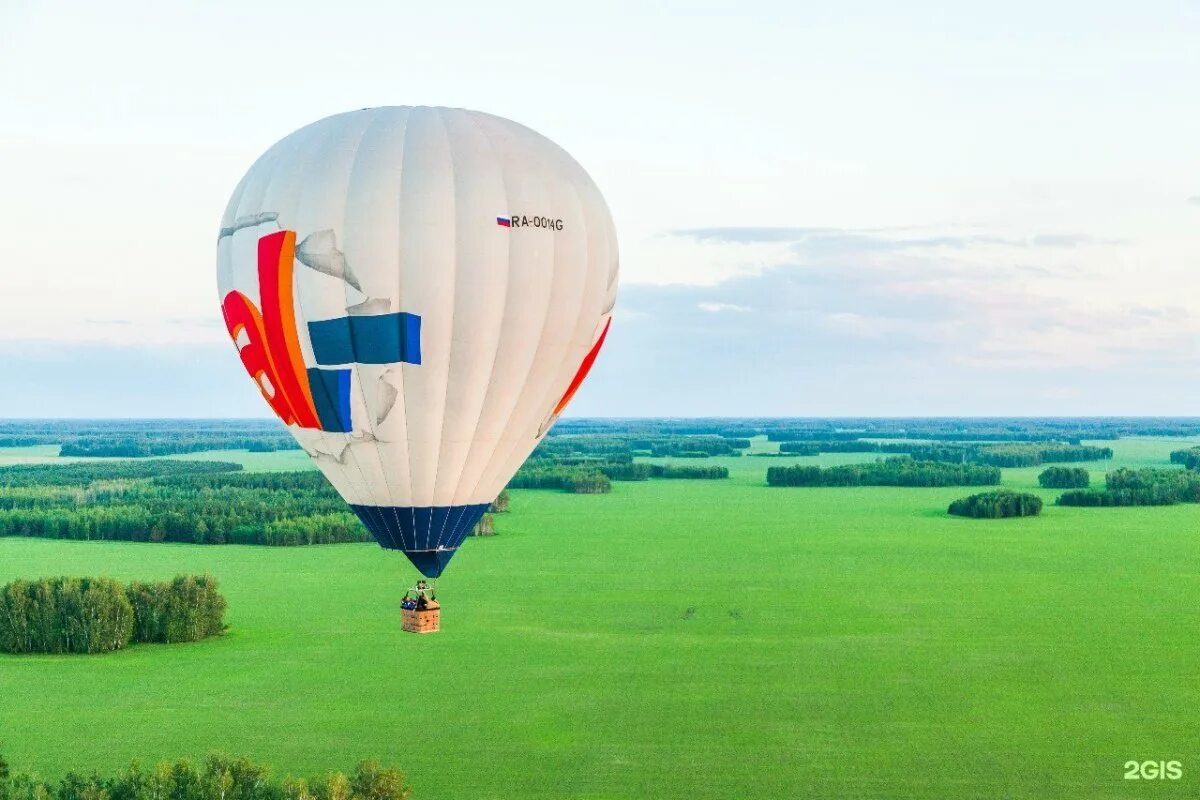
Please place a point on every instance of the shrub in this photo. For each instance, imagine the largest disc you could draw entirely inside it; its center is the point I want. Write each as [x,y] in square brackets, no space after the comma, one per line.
[500,504]
[485,527]
[997,505]
[1064,478]
[220,777]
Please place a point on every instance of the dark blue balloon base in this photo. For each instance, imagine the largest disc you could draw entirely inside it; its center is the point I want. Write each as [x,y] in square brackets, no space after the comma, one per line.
[428,535]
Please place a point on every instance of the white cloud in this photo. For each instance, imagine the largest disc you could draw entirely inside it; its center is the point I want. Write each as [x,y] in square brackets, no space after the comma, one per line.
[716,308]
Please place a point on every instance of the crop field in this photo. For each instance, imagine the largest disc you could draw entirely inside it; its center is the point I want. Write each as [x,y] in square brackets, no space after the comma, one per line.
[672,639]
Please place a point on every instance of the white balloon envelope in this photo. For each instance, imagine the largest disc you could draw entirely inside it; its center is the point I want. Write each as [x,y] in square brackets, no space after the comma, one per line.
[417,292]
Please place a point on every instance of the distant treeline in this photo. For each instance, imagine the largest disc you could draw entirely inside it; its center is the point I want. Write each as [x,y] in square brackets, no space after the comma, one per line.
[999,455]
[137,438]
[160,500]
[99,615]
[654,436]
[1139,487]
[1072,430]
[687,472]
[997,505]
[21,440]
[897,471]
[611,447]
[547,475]
[218,778]
[86,473]
[593,475]
[168,445]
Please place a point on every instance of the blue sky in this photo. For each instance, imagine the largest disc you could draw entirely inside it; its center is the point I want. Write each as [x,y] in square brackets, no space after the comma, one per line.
[855,208]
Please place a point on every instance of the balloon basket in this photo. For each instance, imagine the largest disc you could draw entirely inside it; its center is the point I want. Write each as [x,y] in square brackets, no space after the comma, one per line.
[424,621]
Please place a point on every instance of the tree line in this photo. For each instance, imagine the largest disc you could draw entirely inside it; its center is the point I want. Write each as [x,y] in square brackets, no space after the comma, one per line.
[162,500]
[84,473]
[896,471]
[1139,487]
[613,447]
[570,478]
[220,777]
[142,446]
[144,437]
[99,615]
[688,472]
[997,455]
[1031,455]
[1189,458]
[997,505]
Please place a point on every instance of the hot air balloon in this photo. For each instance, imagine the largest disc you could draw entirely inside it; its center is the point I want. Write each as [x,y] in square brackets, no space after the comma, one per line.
[418,292]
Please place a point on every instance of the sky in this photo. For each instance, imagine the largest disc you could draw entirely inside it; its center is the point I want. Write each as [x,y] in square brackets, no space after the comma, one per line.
[823,209]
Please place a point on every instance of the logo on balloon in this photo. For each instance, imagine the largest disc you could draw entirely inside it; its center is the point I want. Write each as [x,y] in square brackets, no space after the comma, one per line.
[269,346]
[523,221]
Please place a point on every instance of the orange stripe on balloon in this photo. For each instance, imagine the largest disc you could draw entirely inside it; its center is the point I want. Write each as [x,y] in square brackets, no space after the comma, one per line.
[287,310]
[275,254]
[584,368]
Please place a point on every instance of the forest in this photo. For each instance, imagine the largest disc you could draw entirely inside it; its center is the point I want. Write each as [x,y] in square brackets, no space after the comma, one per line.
[99,615]
[1024,454]
[895,471]
[1139,487]
[161,500]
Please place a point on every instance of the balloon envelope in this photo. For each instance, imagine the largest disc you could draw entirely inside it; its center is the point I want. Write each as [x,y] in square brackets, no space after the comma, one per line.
[418,293]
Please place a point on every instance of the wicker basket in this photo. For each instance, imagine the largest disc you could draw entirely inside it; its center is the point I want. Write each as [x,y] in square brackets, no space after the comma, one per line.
[427,621]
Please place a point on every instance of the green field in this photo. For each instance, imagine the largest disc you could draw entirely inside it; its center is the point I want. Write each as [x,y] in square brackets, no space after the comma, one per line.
[672,639]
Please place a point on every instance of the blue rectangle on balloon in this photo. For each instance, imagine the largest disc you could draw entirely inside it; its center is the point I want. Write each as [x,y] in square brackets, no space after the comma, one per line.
[331,396]
[373,339]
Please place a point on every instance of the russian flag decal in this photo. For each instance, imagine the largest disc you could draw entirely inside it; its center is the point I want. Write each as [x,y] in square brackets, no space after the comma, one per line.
[504,222]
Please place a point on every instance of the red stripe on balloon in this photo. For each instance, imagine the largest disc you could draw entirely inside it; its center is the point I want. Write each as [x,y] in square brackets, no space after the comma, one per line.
[584,368]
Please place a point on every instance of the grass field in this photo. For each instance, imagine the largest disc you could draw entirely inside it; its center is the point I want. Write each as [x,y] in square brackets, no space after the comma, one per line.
[673,639]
